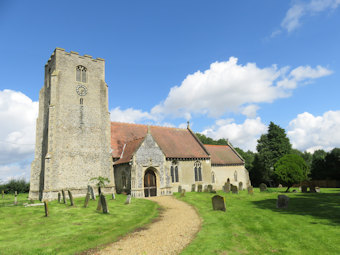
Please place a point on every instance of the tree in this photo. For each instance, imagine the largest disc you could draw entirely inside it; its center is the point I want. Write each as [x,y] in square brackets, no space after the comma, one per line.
[101,182]
[290,169]
[318,167]
[248,157]
[332,164]
[271,147]
[207,140]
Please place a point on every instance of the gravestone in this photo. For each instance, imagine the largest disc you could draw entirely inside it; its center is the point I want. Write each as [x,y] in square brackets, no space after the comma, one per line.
[3,193]
[179,189]
[240,186]
[210,187]
[317,189]
[104,203]
[128,200]
[227,187]
[15,197]
[113,196]
[89,188]
[205,188]
[282,201]
[87,199]
[280,186]
[312,189]
[304,189]
[71,197]
[99,205]
[64,197]
[46,208]
[263,187]
[193,188]
[59,197]
[218,203]
[250,190]
[234,189]
[183,193]
[199,188]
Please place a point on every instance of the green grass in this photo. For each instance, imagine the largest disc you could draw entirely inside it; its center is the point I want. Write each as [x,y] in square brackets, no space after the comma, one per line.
[68,230]
[253,225]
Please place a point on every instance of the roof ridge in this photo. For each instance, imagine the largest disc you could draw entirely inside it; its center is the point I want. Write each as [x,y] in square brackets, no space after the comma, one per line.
[216,145]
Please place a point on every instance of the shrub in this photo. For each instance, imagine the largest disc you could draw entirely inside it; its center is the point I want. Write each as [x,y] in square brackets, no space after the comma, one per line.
[19,185]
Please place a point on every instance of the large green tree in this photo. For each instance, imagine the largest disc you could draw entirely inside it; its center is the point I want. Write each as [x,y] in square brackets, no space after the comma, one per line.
[270,147]
[318,167]
[290,169]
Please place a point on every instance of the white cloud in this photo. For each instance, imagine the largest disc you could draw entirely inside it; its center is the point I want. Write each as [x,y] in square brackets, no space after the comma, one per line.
[293,17]
[14,171]
[231,87]
[309,132]
[243,135]
[130,115]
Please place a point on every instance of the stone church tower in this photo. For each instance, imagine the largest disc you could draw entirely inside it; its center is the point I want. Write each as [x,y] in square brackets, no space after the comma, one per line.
[73,127]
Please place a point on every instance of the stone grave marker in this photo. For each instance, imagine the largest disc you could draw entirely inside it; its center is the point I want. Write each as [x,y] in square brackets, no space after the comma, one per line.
[234,189]
[46,208]
[64,197]
[128,200]
[227,187]
[218,203]
[87,199]
[263,187]
[93,197]
[280,186]
[205,188]
[59,197]
[304,189]
[99,205]
[15,197]
[71,197]
[183,193]
[113,196]
[282,201]
[179,189]
[210,187]
[317,189]
[104,203]
[199,188]
[250,190]
[193,188]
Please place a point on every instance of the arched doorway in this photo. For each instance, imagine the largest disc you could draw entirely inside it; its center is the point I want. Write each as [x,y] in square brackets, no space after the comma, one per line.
[150,186]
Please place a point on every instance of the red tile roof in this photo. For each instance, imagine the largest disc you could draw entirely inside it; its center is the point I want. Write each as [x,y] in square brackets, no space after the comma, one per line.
[174,142]
[128,150]
[223,155]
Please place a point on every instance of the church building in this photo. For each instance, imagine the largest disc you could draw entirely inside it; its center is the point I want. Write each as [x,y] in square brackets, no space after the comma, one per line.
[76,141]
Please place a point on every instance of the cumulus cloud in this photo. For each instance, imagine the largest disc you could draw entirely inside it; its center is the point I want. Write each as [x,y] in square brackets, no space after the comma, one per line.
[130,115]
[309,132]
[232,87]
[298,10]
[243,135]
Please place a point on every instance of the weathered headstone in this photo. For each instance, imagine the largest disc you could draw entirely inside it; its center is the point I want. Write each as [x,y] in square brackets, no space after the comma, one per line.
[87,199]
[113,196]
[179,189]
[227,187]
[64,197]
[104,203]
[15,197]
[99,205]
[2,193]
[317,189]
[210,187]
[71,197]
[199,188]
[99,191]
[282,201]
[205,188]
[263,187]
[280,186]
[59,197]
[128,200]
[250,190]
[89,188]
[218,203]
[183,193]
[234,189]
[193,188]
[240,186]
[46,208]
[304,189]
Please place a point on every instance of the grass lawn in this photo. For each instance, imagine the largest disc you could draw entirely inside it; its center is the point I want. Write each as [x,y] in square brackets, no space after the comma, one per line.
[253,225]
[68,230]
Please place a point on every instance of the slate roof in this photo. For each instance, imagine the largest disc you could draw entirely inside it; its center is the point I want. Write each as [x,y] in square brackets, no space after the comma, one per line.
[223,155]
[174,142]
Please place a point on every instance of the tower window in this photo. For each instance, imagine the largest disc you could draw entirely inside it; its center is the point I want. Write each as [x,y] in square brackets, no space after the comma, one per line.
[198,171]
[81,73]
[81,100]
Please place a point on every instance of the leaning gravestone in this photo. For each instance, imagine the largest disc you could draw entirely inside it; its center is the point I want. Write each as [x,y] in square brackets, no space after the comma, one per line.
[179,189]
[93,197]
[210,188]
[317,189]
[250,190]
[304,189]
[64,197]
[205,188]
[15,198]
[99,205]
[71,197]
[227,187]
[263,187]
[128,200]
[46,208]
[282,201]
[183,193]
[113,196]
[199,188]
[59,197]
[87,199]
[104,203]
[234,189]
[218,203]
[193,188]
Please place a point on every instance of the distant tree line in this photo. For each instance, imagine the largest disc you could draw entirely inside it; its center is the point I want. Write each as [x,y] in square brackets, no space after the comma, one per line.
[264,165]
[19,185]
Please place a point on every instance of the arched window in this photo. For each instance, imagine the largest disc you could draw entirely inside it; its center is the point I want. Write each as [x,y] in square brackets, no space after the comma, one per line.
[235,176]
[174,172]
[81,73]
[198,171]
[212,177]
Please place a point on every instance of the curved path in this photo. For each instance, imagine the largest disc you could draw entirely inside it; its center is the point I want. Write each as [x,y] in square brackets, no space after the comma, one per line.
[175,229]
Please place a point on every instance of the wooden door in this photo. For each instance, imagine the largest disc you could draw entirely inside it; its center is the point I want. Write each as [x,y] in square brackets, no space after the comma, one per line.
[150,187]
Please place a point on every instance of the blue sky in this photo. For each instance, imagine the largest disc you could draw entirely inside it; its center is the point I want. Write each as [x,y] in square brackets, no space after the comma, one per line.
[230,67]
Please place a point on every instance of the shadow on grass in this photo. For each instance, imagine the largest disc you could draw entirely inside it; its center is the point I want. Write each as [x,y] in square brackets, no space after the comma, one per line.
[319,205]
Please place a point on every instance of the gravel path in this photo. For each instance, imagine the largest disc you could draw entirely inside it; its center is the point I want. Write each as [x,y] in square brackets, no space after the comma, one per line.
[175,229]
